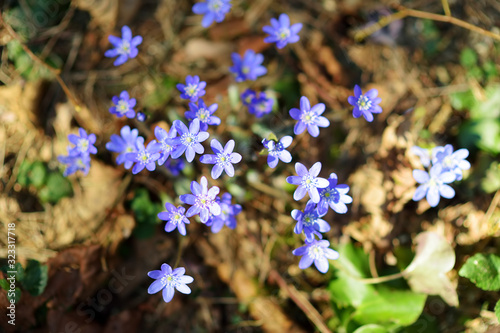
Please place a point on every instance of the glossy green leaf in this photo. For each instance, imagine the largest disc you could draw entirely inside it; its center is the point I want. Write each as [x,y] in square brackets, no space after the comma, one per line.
[371,328]
[56,188]
[36,277]
[483,270]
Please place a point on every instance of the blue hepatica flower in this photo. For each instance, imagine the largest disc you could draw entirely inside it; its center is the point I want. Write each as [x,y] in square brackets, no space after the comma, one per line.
[124,143]
[213,10]
[310,222]
[223,159]
[335,196]
[451,161]
[249,67]
[193,89]
[308,117]
[277,150]
[123,105]
[261,105]
[281,33]
[165,139]
[365,105]
[175,166]
[248,96]
[169,280]
[202,200]
[84,144]
[227,216]
[189,140]
[144,157]
[308,181]
[434,184]
[175,218]
[317,251]
[203,113]
[74,163]
[125,47]
[424,154]
[141,116]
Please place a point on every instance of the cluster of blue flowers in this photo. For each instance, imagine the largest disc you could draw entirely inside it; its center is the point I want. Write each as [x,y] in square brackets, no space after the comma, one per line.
[78,158]
[445,166]
[182,141]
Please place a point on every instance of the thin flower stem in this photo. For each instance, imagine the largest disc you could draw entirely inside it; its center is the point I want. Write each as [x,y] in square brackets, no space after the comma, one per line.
[374,280]
[406,12]
[56,72]
[446,7]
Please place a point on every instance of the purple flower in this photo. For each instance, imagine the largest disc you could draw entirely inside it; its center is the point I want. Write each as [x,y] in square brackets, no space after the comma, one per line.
[175,218]
[126,143]
[454,162]
[166,141]
[189,140]
[202,200]
[335,196]
[175,166]
[141,116]
[308,117]
[249,67]
[365,105]
[227,216]
[281,33]
[84,144]
[310,222]
[144,157]
[169,280]
[123,105]
[193,89]
[223,159]
[213,10]
[248,96]
[308,181]
[125,47]
[434,184]
[261,105]
[74,163]
[318,252]
[277,151]
[203,113]
[424,154]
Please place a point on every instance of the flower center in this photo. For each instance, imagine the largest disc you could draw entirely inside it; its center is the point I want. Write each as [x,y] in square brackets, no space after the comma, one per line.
[191,89]
[276,148]
[331,195]
[222,159]
[245,69]
[447,162]
[125,47]
[214,5]
[284,33]
[316,252]
[308,181]
[308,117]
[364,103]
[188,139]
[144,157]
[309,220]
[122,106]
[203,115]
[83,145]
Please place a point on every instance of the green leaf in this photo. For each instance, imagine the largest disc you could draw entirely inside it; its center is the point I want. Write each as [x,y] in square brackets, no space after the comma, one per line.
[4,284]
[22,175]
[146,213]
[371,328]
[37,174]
[497,310]
[36,277]
[434,257]
[464,100]
[491,182]
[489,108]
[56,188]
[483,270]
[485,134]
[490,69]
[16,295]
[468,58]
[390,306]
